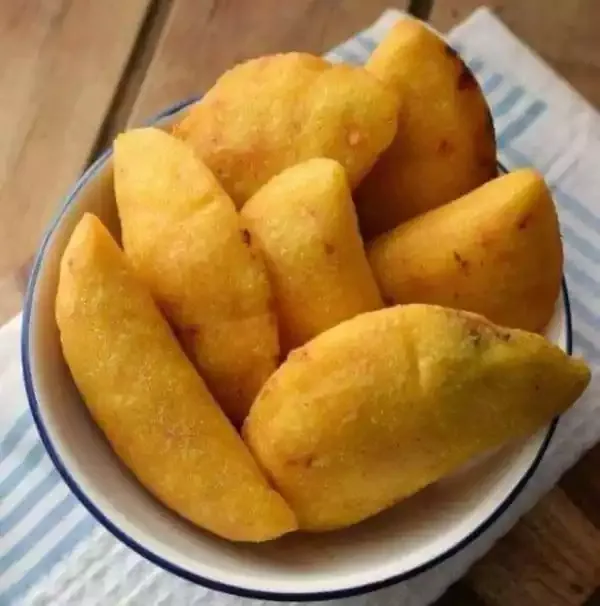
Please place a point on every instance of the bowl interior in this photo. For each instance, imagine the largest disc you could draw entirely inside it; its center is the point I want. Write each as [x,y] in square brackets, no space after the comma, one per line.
[403,539]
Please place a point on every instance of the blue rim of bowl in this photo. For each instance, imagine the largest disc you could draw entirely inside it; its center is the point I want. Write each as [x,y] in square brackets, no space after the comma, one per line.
[173,568]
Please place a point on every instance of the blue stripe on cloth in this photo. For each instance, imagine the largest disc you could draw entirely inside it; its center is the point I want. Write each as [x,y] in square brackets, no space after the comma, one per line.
[80,531]
[475,64]
[38,532]
[582,311]
[580,244]
[349,56]
[492,83]
[568,202]
[505,104]
[367,43]
[29,462]
[520,124]
[518,160]
[578,276]
[29,501]
[586,347]
[14,434]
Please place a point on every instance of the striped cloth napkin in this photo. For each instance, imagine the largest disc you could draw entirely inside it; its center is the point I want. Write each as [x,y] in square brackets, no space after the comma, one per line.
[53,553]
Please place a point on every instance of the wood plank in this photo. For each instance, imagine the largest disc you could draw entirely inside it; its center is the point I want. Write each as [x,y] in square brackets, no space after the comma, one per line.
[582,485]
[60,65]
[420,8]
[460,594]
[594,599]
[551,558]
[565,34]
[134,75]
[202,40]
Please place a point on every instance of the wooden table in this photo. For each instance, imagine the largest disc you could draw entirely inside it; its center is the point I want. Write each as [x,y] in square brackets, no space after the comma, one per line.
[72,74]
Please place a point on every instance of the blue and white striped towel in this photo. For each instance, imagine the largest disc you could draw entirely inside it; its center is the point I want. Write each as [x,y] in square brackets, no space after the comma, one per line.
[53,553]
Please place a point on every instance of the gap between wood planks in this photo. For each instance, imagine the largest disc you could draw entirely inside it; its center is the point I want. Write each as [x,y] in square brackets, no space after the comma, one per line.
[420,8]
[132,77]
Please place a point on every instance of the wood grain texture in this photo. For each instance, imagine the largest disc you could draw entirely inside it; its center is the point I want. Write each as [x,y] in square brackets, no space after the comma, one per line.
[551,558]
[203,39]
[134,74]
[582,485]
[60,65]
[594,599]
[460,594]
[564,33]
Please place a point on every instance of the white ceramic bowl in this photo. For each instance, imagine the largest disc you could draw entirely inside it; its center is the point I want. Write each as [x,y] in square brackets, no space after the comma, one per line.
[390,547]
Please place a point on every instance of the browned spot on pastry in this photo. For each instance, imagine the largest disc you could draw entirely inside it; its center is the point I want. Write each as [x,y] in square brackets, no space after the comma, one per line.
[246,237]
[329,248]
[462,262]
[524,222]
[445,147]
[298,355]
[476,323]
